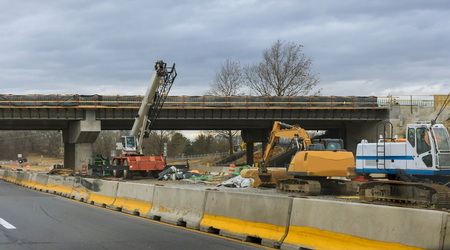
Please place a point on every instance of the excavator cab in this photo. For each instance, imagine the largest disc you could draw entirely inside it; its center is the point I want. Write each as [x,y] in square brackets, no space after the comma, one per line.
[327,144]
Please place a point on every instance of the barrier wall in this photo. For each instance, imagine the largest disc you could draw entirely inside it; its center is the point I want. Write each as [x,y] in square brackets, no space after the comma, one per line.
[26,179]
[79,191]
[41,182]
[323,224]
[243,216]
[182,207]
[275,221]
[11,176]
[57,185]
[134,198]
[102,193]
[19,177]
[33,180]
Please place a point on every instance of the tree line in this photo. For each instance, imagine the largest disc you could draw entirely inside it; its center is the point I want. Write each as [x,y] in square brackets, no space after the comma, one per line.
[50,143]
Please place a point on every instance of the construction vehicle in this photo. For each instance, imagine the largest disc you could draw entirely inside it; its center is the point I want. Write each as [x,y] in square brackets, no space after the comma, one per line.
[131,159]
[312,166]
[417,167]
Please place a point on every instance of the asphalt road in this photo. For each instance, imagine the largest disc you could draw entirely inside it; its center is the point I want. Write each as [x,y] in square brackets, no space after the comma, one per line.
[34,220]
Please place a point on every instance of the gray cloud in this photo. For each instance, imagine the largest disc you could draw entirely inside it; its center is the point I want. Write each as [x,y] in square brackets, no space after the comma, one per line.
[109,47]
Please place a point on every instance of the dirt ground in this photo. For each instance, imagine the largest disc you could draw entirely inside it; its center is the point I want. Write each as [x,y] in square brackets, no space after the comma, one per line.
[37,163]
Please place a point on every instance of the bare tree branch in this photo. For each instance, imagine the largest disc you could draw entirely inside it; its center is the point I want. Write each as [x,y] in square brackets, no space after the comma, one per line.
[228,80]
[284,71]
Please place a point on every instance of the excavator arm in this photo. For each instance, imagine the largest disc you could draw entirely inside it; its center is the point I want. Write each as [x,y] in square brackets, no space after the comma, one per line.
[281,130]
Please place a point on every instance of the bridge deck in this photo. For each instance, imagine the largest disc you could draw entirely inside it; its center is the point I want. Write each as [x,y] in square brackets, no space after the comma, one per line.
[190,102]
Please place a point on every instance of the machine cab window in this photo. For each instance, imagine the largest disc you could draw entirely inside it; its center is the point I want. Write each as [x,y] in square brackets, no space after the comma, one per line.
[423,141]
[129,143]
[411,137]
[440,137]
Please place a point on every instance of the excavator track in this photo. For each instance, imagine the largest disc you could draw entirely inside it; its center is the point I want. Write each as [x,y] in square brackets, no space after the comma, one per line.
[299,186]
[400,193]
[320,186]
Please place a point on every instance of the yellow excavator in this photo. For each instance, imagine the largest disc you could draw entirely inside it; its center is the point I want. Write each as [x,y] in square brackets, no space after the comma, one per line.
[314,167]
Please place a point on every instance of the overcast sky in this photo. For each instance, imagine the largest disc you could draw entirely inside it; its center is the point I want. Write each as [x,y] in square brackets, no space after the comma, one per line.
[377,47]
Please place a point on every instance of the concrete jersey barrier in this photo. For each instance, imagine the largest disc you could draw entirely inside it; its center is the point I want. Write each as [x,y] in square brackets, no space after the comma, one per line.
[58,185]
[247,216]
[134,198]
[41,182]
[322,224]
[275,221]
[102,193]
[25,178]
[11,176]
[179,206]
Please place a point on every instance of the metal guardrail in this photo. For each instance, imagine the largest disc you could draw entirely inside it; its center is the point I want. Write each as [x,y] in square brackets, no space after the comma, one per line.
[217,102]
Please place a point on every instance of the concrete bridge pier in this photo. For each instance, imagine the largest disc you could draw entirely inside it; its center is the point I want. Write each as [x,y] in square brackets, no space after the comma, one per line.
[78,140]
[356,131]
[250,136]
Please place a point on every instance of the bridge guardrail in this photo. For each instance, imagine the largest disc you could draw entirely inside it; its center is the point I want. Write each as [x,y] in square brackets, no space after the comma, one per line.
[217,102]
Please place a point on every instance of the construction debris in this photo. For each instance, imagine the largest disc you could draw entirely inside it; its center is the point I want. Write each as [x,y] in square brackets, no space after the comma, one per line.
[61,171]
[173,173]
[237,182]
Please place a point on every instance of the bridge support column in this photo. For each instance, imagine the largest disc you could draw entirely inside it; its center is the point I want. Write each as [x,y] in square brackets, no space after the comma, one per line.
[78,140]
[250,158]
[356,131]
[250,136]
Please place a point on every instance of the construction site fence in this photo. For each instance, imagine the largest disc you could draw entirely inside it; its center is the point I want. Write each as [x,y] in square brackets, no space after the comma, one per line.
[175,102]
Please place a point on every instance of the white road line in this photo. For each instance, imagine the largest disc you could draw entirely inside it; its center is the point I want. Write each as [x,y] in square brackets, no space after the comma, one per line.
[6,224]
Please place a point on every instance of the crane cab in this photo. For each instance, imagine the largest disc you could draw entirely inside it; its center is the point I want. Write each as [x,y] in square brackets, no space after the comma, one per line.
[425,151]
[129,144]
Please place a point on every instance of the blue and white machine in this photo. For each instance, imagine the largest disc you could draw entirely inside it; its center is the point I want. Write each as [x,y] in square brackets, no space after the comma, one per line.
[424,152]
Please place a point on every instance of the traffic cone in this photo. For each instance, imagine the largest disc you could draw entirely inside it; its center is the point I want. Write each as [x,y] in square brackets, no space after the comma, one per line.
[84,170]
[231,169]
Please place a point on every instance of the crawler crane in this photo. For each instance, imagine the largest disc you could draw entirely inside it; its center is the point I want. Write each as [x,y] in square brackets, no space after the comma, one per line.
[418,167]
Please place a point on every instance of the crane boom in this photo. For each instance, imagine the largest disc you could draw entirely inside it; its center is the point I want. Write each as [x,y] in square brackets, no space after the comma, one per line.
[160,84]
[132,160]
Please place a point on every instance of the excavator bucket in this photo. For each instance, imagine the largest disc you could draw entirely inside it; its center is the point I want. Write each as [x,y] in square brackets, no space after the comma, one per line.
[266,180]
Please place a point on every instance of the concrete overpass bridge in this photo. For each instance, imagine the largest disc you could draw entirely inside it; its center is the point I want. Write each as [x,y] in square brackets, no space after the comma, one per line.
[82,117]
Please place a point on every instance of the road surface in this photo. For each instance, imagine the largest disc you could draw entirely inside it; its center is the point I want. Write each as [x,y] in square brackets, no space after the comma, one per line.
[34,220]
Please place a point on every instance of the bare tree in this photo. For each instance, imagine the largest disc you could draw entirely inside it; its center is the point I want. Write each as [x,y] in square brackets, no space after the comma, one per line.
[154,145]
[229,136]
[228,80]
[284,71]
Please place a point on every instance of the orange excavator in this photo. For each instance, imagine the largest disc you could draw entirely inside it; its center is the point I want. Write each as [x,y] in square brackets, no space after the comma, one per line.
[318,167]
